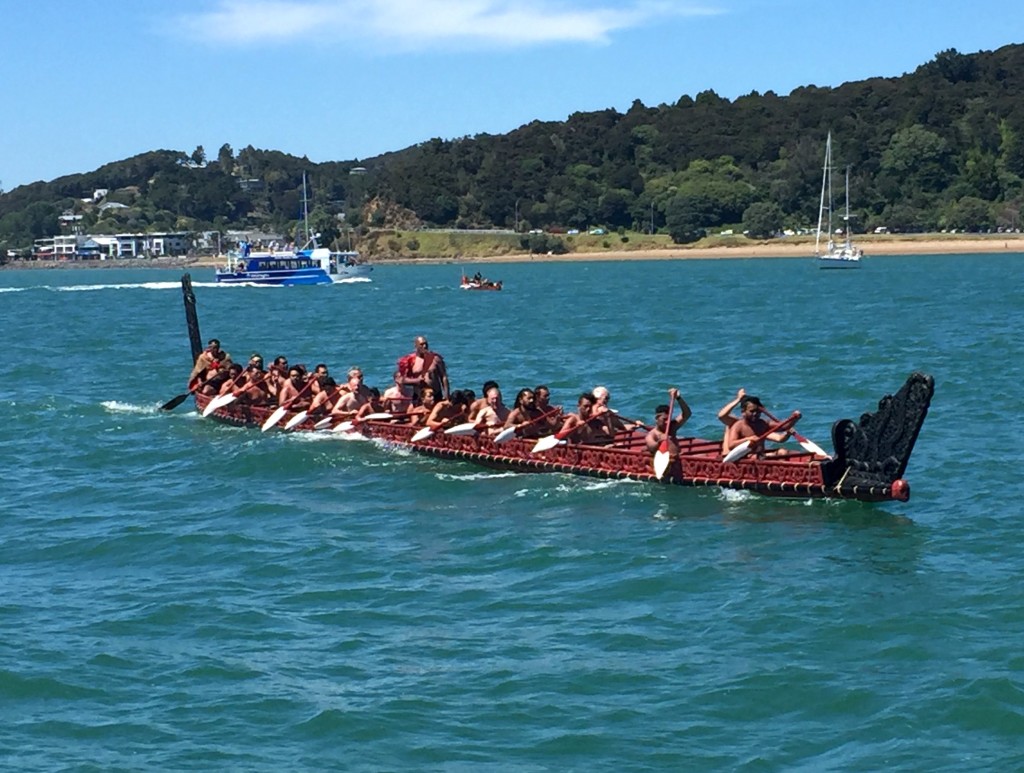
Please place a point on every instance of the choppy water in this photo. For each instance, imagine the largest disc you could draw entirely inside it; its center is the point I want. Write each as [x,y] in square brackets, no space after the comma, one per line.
[178,594]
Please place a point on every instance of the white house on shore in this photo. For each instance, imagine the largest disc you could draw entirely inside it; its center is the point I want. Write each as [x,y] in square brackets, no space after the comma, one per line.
[105,247]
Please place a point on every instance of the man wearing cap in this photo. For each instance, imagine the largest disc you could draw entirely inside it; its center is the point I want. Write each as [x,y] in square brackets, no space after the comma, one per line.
[750,425]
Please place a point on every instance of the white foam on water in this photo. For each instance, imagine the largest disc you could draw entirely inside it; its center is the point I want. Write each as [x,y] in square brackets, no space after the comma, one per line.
[590,485]
[135,286]
[116,406]
[475,475]
[736,495]
[12,289]
[352,280]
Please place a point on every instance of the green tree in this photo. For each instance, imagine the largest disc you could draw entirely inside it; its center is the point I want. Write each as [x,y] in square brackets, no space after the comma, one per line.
[226,158]
[763,219]
[683,220]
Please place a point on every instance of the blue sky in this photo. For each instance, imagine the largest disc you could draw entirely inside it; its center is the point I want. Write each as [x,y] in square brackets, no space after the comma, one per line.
[86,83]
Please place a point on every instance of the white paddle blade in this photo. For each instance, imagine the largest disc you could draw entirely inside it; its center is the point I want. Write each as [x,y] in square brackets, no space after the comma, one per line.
[738,452]
[469,428]
[297,419]
[661,462]
[377,417]
[274,418]
[506,434]
[345,426]
[423,434]
[323,423]
[814,448]
[218,402]
[546,444]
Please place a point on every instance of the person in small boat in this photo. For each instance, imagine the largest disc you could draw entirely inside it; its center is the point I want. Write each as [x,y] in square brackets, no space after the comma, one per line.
[425,368]
[398,398]
[494,414]
[293,393]
[657,434]
[478,404]
[448,413]
[211,356]
[751,425]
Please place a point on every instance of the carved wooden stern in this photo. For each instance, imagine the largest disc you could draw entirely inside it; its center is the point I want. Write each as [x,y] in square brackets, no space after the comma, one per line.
[872,454]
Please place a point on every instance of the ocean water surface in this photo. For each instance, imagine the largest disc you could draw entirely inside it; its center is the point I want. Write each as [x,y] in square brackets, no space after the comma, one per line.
[180,594]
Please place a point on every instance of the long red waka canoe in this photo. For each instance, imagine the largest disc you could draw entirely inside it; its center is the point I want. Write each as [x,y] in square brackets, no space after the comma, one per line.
[870,459]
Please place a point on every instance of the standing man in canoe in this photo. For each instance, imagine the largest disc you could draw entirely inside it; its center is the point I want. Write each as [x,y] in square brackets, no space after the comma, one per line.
[424,368]
[211,357]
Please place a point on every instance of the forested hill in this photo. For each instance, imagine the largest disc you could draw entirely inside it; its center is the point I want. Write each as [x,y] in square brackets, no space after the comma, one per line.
[942,147]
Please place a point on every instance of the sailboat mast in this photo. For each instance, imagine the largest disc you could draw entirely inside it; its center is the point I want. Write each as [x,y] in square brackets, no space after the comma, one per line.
[305,210]
[846,217]
[826,181]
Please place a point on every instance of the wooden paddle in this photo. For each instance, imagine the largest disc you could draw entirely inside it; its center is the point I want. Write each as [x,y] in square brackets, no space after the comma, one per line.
[225,399]
[807,445]
[549,442]
[300,417]
[661,456]
[174,402]
[467,428]
[347,426]
[177,400]
[508,433]
[278,414]
[744,448]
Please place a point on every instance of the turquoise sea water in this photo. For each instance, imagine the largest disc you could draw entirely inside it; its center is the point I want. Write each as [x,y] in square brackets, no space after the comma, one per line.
[177,594]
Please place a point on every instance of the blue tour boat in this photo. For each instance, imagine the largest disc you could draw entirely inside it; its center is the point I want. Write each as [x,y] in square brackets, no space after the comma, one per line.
[312,265]
[316,266]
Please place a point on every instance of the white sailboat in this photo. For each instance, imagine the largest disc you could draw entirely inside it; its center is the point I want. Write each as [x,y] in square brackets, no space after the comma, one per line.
[834,255]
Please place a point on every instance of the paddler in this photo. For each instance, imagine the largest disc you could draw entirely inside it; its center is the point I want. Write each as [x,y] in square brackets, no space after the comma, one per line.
[751,425]
[494,414]
[656,435]
[448,413]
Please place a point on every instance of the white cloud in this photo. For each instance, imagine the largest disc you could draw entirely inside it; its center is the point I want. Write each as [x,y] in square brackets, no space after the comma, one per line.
[424,24]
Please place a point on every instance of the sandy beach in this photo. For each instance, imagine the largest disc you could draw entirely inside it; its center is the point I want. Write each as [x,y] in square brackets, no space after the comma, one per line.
[873,247]
[767,249]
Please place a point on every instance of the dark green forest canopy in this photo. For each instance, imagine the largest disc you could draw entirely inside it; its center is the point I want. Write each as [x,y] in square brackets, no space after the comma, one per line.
[942,147]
